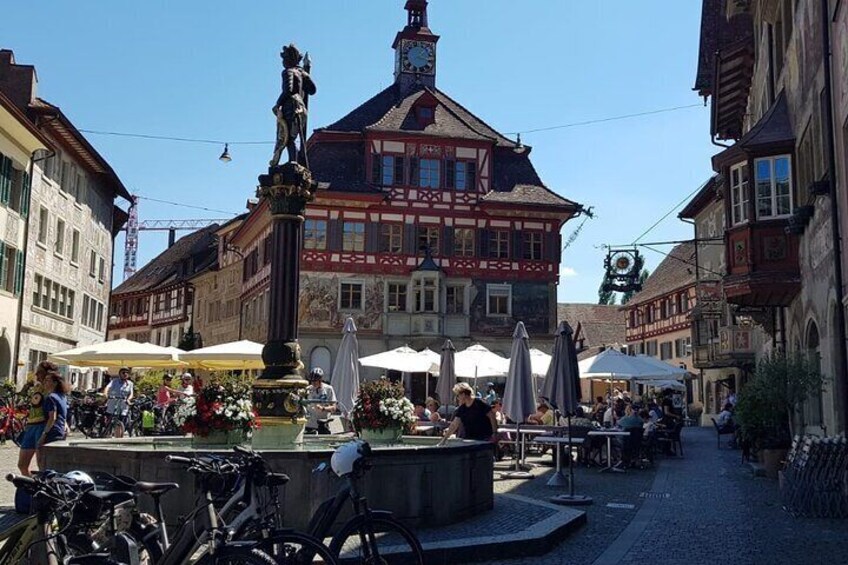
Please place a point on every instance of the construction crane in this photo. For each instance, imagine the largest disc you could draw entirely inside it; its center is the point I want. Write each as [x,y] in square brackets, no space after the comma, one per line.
[171,226]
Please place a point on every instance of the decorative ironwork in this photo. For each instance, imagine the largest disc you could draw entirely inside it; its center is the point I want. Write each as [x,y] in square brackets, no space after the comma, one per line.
[623,267]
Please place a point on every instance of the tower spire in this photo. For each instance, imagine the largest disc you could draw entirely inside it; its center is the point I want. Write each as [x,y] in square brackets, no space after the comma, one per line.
[415,48]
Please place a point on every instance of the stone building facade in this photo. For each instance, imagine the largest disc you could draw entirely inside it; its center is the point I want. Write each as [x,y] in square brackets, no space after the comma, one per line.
[72,222]
[764,66]
[20,144]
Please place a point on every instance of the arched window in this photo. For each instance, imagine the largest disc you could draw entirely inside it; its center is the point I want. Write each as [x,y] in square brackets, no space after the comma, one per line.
[321,357]
[813,406]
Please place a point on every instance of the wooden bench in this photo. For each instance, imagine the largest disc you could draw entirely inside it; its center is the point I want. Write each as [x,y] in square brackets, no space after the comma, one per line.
[720,431]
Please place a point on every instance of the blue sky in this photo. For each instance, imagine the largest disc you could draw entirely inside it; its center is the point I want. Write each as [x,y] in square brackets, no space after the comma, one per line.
[209,69]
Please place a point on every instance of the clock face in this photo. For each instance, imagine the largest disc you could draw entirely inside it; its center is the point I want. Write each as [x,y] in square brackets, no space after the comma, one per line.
[418,56]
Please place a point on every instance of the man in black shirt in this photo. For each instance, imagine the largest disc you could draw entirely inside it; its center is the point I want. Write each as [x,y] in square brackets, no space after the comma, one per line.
[475,416]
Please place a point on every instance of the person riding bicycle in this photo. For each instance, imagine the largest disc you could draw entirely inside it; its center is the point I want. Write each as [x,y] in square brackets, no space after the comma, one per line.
[120,393]
[324,404]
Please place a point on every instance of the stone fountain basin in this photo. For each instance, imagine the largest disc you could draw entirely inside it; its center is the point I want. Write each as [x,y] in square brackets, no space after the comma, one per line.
[422,483]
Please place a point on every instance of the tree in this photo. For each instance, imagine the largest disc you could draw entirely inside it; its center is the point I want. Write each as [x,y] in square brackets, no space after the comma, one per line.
[605,296]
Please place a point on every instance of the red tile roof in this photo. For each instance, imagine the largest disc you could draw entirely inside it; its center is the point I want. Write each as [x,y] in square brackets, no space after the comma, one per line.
[675,272]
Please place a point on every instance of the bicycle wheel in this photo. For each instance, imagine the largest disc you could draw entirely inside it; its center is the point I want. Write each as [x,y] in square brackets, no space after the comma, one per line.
[16,428]
[295,548]
[237,556]
[393,543]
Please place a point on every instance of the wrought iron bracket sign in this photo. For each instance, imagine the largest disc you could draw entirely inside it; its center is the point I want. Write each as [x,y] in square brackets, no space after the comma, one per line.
[623,267]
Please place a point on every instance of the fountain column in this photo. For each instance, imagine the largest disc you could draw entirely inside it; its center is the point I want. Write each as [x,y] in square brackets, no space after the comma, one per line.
[276,393]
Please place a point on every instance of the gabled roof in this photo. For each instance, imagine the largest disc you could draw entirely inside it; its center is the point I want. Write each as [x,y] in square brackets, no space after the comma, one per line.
[707,194]
[179,262]
[391,110]
[338,165]
[38,138]
[675,272]
[597,325]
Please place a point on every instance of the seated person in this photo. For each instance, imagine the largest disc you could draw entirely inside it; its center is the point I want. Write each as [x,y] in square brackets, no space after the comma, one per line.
[433,406]
[544,416]
[630,420]
[725,418]
[655,411]
[609,417]
[647,423]
[421,413]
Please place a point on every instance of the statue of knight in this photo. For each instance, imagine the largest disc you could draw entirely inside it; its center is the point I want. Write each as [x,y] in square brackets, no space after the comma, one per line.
[291,107]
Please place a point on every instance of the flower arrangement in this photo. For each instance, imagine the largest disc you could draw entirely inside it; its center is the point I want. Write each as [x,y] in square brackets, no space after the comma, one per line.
[382,404]
[223,404]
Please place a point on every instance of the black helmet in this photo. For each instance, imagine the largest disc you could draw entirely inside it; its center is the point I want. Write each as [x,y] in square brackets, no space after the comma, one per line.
[316,374]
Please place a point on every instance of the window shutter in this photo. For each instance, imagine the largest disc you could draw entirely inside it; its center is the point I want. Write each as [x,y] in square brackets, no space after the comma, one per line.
[334,235]
[483,243]
[5,179]
[413,171]
[19,273]
[450,174]
[25,192]
[3,263]
[376,169]
[471,176]
[399,168]
[447,241]
[517,244]
[373,236]
[410,239]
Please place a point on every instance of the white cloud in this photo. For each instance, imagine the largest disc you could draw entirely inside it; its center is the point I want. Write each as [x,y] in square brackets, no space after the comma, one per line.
[567,272]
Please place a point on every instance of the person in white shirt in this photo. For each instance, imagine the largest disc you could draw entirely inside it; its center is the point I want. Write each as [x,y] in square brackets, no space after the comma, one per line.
[186,386]
[725,417]
[323,397]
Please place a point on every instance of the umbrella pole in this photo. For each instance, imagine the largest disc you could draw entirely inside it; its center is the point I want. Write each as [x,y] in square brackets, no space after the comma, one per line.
[519,454]
[571,499]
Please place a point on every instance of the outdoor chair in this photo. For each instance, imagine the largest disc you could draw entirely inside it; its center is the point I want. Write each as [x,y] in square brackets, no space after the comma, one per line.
[671,438]
[631,451]
[722,431]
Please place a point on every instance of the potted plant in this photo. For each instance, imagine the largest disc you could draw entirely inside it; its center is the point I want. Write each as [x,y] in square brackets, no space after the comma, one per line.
[219,413]
[382,412]
[767,404]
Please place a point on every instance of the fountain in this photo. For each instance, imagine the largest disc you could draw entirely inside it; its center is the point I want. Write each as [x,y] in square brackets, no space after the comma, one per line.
[423,483]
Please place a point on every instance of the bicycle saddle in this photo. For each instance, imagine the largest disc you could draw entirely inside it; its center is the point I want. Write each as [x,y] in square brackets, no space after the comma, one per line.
[154,489]
[277,479]
[111,496]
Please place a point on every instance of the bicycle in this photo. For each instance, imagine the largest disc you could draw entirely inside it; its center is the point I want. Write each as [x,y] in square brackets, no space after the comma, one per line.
[12,421]
[252,509]
[372,537]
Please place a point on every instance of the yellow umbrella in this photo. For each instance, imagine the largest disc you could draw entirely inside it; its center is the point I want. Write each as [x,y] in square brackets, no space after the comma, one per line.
[244,355]
[120,352]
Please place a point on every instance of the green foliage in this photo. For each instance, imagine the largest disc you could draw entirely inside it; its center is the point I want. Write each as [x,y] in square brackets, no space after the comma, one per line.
[189,340]
[765,405]
[643,276]
[7,390]
[605,297]
[148,383]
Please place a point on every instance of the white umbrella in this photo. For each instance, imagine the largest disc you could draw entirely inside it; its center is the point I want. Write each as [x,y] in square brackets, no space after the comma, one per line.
[345,377]
[674,385]
[539,361]
[477,362]
[403,359]
[244,354]
[519,400]
[669,371]
[122,352]
[447,376]
[612,364]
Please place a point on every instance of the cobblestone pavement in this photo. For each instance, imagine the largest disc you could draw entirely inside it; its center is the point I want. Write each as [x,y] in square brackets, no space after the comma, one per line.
[8,464]
[715,511]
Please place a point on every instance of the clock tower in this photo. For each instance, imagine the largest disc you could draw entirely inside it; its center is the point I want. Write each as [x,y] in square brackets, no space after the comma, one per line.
[415,49]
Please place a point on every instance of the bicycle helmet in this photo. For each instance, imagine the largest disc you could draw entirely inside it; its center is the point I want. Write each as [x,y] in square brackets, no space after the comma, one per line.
[347,457]
[316,374]
[80,477]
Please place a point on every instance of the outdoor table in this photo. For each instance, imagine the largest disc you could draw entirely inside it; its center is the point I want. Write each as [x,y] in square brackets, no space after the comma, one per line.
[609,434]
[524,431]
[558,480]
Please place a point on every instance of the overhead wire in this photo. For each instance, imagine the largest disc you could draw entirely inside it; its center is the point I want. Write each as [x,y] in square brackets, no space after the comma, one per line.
[187,205]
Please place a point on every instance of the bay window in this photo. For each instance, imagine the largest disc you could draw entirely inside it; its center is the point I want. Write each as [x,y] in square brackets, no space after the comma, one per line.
[774,187]
[739,193]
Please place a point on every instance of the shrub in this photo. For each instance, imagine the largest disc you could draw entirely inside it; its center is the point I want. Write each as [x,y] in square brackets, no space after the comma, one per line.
[222,403]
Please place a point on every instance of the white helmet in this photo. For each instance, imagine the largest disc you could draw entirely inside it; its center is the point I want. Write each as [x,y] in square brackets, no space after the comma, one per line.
[80,477]
[345,458]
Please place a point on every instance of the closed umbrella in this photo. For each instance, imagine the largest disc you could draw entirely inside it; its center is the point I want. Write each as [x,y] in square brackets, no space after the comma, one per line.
[345,377]
[519,400]
[447,376]
[562,388]
[236,355]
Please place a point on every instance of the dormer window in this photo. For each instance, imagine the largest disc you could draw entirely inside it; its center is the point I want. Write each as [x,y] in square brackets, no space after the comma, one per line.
[426,115]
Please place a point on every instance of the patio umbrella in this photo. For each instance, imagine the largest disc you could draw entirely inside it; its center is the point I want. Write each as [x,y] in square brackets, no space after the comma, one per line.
[345,377]
[244,354]
[612,364]
[562,388]
[477,362]
[540,362]
[519,400]
[403,359]
[669,371]
[123,352]
[664,384]
[447,377]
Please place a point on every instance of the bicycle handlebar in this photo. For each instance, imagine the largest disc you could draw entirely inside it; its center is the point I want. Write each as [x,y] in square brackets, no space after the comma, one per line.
[20,480]
[179,460]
